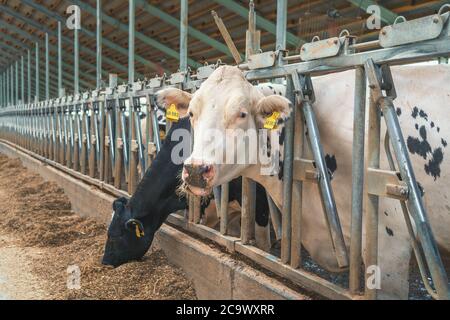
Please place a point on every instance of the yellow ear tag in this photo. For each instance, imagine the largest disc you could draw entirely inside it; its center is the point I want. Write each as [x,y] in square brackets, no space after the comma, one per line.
[172,113]
[271,122]
[139,233]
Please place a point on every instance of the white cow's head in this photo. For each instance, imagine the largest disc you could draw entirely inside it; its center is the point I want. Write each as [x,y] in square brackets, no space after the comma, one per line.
[226,113]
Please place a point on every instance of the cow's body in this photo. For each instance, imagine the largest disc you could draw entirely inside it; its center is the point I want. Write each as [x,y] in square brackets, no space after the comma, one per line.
[423,102]
[422,105]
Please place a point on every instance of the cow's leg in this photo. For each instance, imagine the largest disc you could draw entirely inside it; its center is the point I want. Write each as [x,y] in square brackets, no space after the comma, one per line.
[262,215]
[394,252]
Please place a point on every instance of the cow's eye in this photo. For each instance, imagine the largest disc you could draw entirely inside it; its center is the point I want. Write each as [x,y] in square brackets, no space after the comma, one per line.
[243,115]
[191,114]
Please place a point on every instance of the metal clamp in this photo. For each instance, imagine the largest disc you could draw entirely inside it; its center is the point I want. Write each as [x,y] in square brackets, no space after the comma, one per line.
[417,30]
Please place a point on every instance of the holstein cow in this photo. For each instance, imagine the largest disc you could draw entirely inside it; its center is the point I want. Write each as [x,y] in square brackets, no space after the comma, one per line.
[226,100]
[135,222]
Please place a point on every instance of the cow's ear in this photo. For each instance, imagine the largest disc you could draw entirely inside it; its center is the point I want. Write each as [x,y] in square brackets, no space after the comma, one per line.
[119,203]
[170,97]
[272,112]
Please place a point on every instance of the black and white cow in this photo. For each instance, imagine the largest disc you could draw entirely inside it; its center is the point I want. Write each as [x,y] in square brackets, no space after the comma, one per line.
[135,222]
[227,101]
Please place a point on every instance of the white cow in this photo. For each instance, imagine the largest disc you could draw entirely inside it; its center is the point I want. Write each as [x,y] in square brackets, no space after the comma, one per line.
[227,101]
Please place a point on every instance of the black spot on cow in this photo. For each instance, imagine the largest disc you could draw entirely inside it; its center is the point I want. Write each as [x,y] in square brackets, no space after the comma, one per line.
[415,112]
[416,146]
[279,93]
[438,129]
[423,115]
[389,232]
[432,124]
[422,147]
[417,126]
[331,163]
[423,132]
[280,170]
[399,112]
[270,87]
[433,168]
[281,137]
[422,191]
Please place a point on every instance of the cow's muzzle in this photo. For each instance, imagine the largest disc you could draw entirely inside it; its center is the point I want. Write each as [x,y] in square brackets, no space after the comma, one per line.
[198,176]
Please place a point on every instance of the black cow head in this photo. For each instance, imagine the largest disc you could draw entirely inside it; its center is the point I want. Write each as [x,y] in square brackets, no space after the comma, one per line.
[128,238]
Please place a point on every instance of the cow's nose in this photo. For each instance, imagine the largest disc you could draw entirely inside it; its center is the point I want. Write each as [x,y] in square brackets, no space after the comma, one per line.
[198,175]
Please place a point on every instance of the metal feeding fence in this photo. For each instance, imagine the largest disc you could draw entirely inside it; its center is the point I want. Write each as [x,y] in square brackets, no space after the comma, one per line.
[98,137]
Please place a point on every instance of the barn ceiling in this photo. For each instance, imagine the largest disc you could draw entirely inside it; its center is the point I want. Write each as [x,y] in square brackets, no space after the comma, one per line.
[23,22]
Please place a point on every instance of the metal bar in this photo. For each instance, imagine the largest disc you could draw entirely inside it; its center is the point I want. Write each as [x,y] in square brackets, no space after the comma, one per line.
[19,43]
[372,201]
[87,84]
[47,71]
[406,54]
[17,83]
[297,190]
[99,43]
[60,87]
[142,37]
[227,38]
[68,65]
[22,80]
[69,41]
[224,199]
[131,26]
[265,24]
[36,98]
[326,191]
[156,12]
[76,67]
[11,86]
[184,35]
[415,203]
[248,211]
[281,25]
[29,75]
[359,117]
[288,162]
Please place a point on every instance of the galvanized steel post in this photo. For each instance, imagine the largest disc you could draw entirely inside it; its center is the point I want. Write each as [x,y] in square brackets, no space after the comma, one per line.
[288,178]
[281,25]
[372,201]
[17,83]
[47,71]
[359,117]
[22,81]
[99,43]
[60,93]
[76,66]
[36,87]
[183,35]
[28,76]
[131,32]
